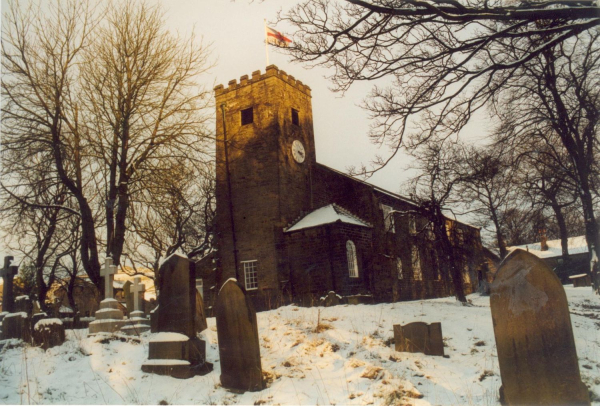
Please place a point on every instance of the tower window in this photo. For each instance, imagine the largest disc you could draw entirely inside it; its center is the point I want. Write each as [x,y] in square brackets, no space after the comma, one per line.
[352,261]
[247,116]
[295,118]
[251,274]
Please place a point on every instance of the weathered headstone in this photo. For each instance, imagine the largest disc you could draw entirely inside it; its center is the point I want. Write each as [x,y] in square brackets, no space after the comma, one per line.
[534,338]
[16,325]
[201,324]
[24,304]
[419,337]
[175,350]
[109,318]
[581,281]
[48,333]
[8,273]
[332,299]
[237,331]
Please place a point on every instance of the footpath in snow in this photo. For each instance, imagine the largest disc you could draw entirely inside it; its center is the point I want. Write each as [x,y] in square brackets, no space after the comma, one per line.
[349,359]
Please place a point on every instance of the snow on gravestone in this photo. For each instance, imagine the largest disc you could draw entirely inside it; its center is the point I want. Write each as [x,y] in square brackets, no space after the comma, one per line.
[169,352]
[534,337]
[237,331]
[49,333]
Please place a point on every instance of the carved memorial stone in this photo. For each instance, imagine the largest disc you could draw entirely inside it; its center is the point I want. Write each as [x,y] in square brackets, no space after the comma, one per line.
[237,331]
[419,337]
[534,338]
[175,350]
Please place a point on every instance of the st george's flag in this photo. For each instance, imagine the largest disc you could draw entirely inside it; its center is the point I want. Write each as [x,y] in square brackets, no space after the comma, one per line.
[276,38]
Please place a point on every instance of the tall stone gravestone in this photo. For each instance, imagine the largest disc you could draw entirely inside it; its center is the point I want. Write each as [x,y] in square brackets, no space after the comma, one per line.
[534,337]
[237,331]
[109,318]
[175,350]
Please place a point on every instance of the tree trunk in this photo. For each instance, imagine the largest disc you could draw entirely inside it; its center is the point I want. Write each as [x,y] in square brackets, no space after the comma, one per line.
[450,266]
[562,228]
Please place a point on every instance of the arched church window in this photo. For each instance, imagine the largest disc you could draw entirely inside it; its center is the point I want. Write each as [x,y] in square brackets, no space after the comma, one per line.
[352,261]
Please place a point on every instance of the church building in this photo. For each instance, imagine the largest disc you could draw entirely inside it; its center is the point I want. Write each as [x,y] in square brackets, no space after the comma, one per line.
[292,230]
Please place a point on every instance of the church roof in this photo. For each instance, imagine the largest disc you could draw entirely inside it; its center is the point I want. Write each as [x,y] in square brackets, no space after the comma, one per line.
[576,245]
[329,214]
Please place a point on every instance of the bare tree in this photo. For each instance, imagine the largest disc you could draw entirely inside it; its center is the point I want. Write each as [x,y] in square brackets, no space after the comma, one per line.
[434,192]
[108,96]
[175,214]
[447,59]
[488,187]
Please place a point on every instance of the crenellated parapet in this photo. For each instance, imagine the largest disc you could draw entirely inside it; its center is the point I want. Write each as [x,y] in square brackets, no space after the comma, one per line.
[272,71]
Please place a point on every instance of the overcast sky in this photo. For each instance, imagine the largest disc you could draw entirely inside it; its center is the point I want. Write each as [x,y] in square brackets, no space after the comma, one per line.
[236,31]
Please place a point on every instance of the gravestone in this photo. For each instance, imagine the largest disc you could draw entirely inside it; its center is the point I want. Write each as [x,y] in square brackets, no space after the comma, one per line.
[237,331]
[16,325]
[138,323]
[534,338]
[24,304]
[201,324]
[581,281]
[109,318]
[175,350]
[48,333]
[8,273]
[419,337]
[332,299]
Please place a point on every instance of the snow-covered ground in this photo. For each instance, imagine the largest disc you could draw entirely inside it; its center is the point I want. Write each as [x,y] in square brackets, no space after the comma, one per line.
[348,361]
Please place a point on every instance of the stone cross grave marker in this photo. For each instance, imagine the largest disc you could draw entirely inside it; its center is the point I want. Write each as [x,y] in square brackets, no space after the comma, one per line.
[136,289]
[8,273]
[237,332]
[534,338]
[108,273]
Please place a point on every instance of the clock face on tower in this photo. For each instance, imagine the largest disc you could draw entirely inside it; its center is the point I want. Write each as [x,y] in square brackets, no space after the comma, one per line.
[298,151]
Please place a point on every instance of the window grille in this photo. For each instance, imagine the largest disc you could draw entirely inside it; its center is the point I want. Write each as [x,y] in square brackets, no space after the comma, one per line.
[352,261]
[250,274]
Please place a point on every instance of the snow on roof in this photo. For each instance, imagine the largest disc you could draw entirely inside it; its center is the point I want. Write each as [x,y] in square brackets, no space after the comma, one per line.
[331,213]
[576,245]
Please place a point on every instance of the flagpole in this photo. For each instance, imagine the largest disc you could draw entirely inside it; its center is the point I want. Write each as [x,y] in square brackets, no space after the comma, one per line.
[266,43]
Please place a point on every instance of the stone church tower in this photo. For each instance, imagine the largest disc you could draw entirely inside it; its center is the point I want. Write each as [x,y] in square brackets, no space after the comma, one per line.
[265,158]
[291,229]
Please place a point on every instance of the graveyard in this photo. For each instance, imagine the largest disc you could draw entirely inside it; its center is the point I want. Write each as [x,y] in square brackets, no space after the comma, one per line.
[341,354]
